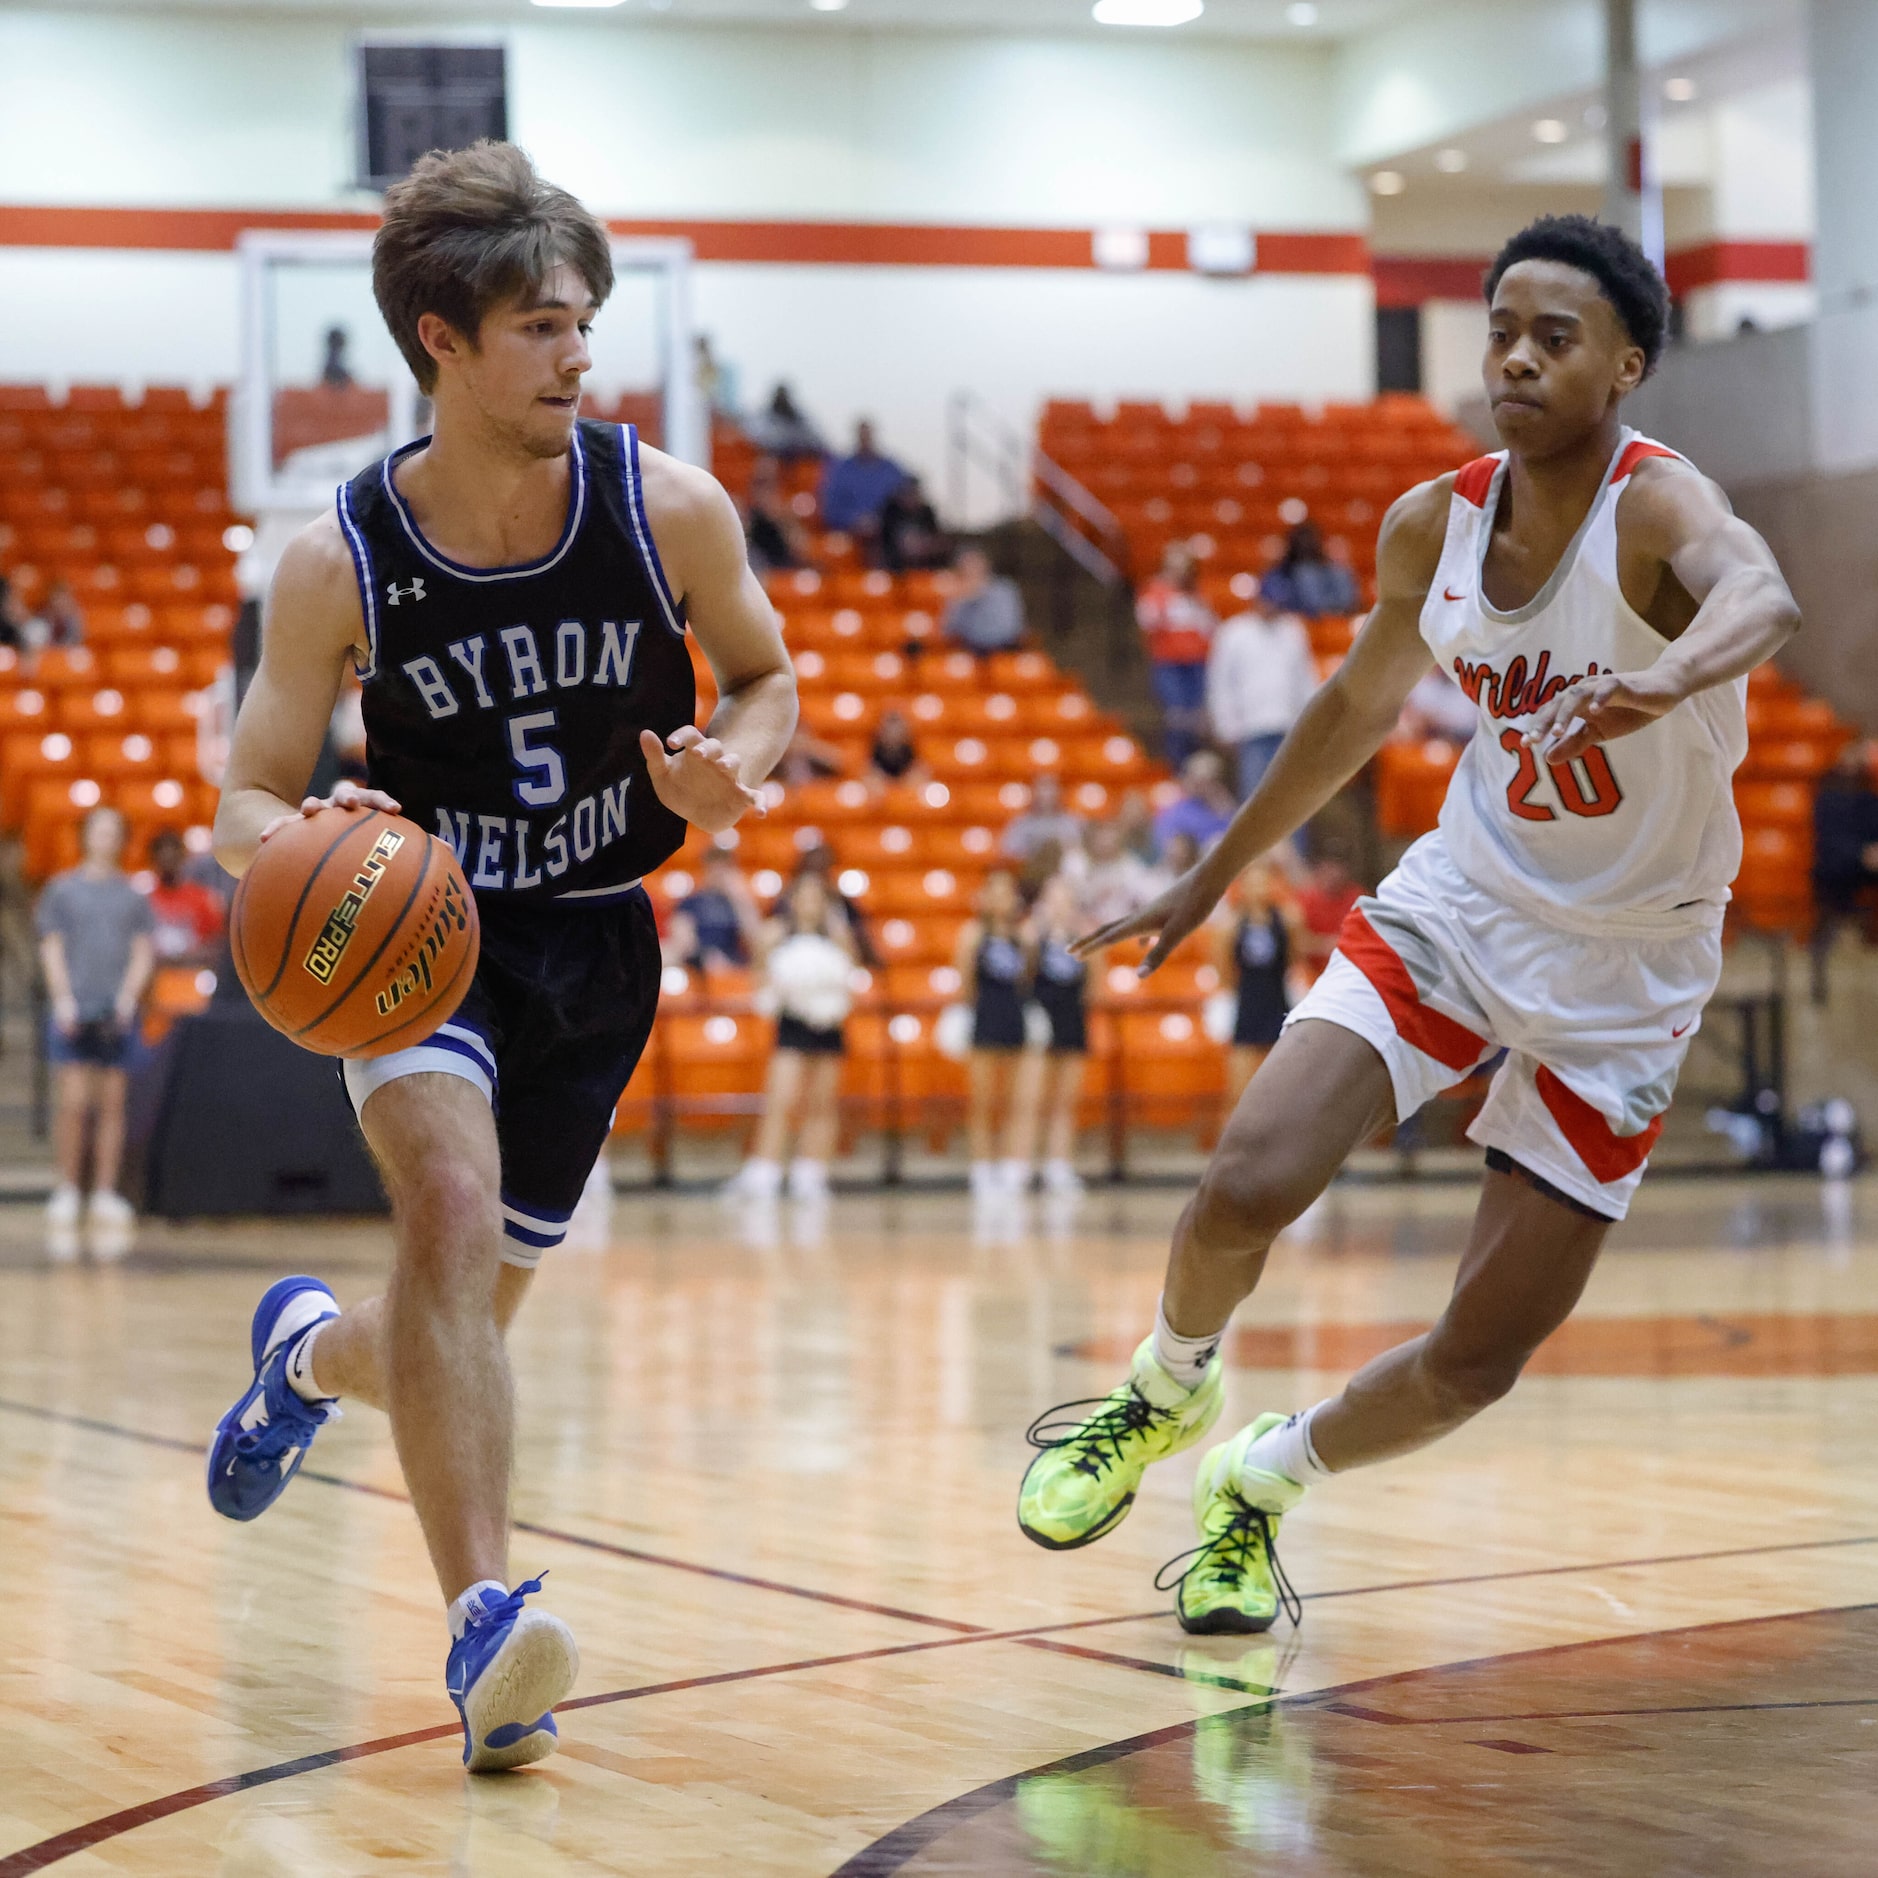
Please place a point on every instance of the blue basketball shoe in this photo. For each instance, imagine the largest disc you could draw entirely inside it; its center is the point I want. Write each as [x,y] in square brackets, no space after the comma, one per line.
[260,1443]
[505,1674]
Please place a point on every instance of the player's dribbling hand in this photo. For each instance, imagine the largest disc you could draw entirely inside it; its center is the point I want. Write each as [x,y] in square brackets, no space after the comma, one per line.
[1181,910]
[345,795]
[1595,710]
[696,777]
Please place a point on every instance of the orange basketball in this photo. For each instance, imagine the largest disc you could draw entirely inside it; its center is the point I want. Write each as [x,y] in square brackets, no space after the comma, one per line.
[354,932]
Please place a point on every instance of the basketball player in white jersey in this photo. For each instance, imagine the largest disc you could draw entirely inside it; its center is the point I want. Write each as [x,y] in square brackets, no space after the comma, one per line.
[1601,604]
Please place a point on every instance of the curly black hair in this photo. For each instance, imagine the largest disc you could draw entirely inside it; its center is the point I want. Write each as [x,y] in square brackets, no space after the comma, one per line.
[1622,270]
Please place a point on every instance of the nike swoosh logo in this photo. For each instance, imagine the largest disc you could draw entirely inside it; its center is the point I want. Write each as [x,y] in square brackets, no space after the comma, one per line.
[1678,1033]
[1448,593]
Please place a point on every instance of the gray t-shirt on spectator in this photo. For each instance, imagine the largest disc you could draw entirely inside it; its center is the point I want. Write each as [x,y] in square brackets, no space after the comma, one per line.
[988,621]
[96,918]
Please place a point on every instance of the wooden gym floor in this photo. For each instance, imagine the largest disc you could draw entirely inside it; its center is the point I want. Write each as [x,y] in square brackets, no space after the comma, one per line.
[1625,1624]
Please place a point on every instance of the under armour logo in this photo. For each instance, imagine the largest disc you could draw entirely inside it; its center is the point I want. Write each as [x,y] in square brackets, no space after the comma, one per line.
[394,593]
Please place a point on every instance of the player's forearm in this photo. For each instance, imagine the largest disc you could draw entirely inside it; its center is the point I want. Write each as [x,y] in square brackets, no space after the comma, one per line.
[1748,616]
[756,720]
[52,963]
[243,813]
[137,975]
[1328,744]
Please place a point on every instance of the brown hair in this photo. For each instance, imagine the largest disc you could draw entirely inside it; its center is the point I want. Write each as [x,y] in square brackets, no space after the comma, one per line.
[470,229]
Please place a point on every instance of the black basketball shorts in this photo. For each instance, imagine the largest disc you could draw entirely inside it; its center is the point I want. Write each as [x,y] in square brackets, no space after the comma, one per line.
[551,1031]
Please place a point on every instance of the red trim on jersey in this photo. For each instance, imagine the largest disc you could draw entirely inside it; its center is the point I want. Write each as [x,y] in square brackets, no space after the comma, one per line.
[1428,1030]
[1635,454]
[1472,480]
[1609,1155]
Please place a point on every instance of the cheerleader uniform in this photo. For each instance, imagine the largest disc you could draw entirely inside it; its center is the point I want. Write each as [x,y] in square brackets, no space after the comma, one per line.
[1262,952]
[998,995]
[1060,988]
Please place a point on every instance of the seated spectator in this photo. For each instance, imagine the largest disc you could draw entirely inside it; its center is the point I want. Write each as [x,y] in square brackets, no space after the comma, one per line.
[776,539]
[1112,880]
[1845,850]
[1438,710]
[64,617]
[1308,581]
[986,611]
[716,924]
[14,615]
[96,952]
[1176,630]
[782,429]
[1045,820]
[1204,806]
[855,487]
[910,535]
[894,757]
[807,759]
[1259,677]
[189,915]
[1135,818]
[1325,900]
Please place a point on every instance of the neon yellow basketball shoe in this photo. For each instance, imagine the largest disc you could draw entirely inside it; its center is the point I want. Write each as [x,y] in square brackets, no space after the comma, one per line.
[1084,1480]
[1232,1581]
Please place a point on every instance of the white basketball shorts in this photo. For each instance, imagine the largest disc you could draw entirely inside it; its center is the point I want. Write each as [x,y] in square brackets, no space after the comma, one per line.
[1440,976]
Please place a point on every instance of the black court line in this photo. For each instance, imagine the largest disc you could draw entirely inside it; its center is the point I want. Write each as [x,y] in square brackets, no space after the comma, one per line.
[898,1848]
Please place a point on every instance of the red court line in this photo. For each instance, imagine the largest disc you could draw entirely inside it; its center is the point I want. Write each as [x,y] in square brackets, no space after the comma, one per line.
[64,1845]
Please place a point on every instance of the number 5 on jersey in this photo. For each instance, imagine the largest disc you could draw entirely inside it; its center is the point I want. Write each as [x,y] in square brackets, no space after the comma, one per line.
[541,776]
[1600,798]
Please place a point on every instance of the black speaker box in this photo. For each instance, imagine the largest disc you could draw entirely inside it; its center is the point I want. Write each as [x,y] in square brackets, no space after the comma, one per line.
[230,1117]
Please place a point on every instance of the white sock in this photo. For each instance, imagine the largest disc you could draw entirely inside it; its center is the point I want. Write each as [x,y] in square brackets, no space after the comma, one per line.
[1184,1358]
[480,1595]
[1287,1450]
[300,1368]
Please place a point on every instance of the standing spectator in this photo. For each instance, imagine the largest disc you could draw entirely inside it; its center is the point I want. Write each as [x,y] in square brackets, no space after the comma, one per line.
[994,960]
[335,368]
[717,382]
[986,611]
[910,535]
[855,488]
[95,948]
[64,617]
[1113,881]
[189,916]
[1845,850]
[1308,581]
[717,924]
[1328,894]
[782,429]
[1060,986]
[1259,677]
[808,965]
[1204,806]
[1177,628]
[1045,820]
[1253,954]
[776,539]
[894,757]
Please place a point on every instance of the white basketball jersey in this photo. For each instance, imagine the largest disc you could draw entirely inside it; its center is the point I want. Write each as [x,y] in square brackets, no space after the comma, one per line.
[1639,836]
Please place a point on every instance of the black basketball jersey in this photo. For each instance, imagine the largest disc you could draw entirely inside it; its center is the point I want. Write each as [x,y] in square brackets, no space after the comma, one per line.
[503,705]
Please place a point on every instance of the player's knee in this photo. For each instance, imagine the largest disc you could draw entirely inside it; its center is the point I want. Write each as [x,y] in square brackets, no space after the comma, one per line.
[1246,1200]
[1468,1377]
[448,1212]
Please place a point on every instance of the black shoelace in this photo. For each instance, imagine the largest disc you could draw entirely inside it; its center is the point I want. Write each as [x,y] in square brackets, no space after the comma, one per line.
[1227,1557]
[1101,1435]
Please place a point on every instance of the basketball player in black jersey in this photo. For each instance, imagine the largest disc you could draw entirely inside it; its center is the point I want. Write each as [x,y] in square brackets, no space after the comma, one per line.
[515,591]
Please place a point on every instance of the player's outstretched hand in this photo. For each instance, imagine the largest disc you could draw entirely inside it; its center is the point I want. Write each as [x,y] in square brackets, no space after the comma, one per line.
[345,795]
[699,779]
[1181,910]
[1595,710]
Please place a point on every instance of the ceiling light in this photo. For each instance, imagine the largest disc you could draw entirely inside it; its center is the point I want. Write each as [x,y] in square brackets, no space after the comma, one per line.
[1450,162]
[1679,90]
[1550,130]
[1301,13]
[579,3]
[828,6]
[1147,12]
[1388,182]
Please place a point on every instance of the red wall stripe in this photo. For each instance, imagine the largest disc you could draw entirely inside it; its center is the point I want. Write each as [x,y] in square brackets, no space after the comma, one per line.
[1409,279]
[836,244]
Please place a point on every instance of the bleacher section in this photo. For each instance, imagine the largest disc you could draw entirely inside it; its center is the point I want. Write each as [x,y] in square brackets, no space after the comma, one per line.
[128,504]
